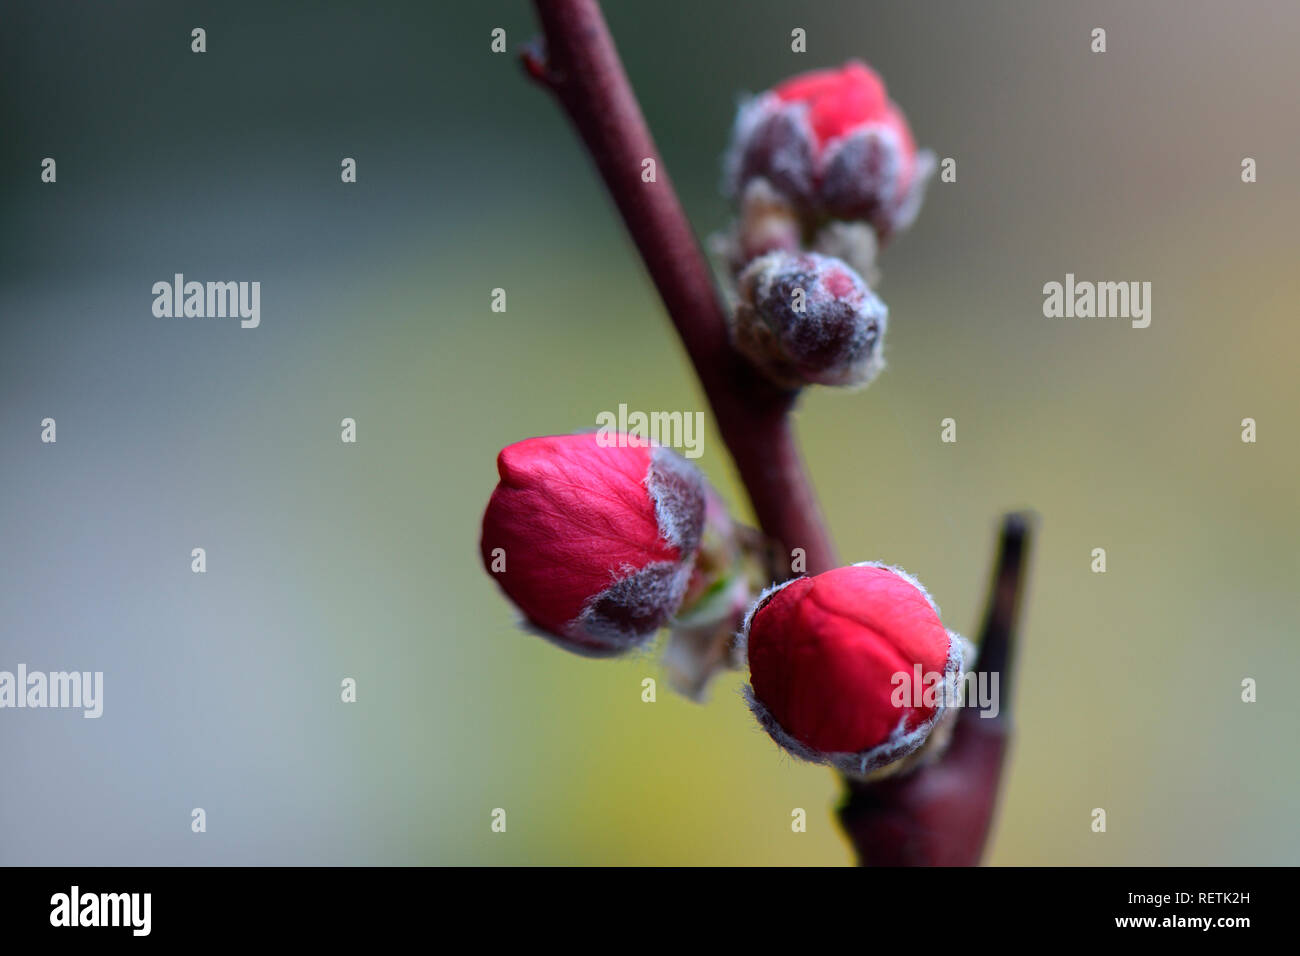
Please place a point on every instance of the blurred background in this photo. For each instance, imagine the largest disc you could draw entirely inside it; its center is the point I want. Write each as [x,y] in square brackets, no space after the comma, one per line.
[328,560]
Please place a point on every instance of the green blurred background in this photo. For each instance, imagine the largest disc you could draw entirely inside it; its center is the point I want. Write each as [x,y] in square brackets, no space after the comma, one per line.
[328,560]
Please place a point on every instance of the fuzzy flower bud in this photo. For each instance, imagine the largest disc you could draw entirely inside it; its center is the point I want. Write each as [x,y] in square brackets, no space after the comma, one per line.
[594,541]
[833,143]
[833,661]
[807,318]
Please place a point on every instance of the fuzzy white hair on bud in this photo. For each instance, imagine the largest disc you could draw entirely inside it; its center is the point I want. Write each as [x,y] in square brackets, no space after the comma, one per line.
[677,489]
[627,614]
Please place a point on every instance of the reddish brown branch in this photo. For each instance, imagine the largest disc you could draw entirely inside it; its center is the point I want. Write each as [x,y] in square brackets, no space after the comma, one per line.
[581,67]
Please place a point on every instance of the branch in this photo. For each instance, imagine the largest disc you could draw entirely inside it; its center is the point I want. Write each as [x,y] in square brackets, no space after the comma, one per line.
[941,815]
[581,67]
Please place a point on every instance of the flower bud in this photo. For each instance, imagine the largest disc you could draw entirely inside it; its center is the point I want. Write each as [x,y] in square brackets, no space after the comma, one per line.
[807,318]
[594,541]
[832,143]
[834,660]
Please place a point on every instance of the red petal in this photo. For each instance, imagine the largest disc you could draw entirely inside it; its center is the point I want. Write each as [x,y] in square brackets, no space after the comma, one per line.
[838,100]
[573,517]
[823,652]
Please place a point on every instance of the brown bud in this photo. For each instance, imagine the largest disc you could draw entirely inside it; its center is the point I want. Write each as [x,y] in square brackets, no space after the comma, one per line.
[807,318]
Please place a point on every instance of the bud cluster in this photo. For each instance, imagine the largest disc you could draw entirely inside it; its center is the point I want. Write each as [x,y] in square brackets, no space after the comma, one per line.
[600,545]
[601,540]
[823,162]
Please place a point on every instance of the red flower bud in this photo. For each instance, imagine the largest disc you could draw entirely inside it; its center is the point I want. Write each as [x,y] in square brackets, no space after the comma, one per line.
[825,658]
[833,143]
[807,318]
[594,543]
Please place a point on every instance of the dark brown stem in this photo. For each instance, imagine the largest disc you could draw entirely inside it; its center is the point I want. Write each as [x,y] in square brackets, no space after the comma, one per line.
[581,67]
[941,814]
